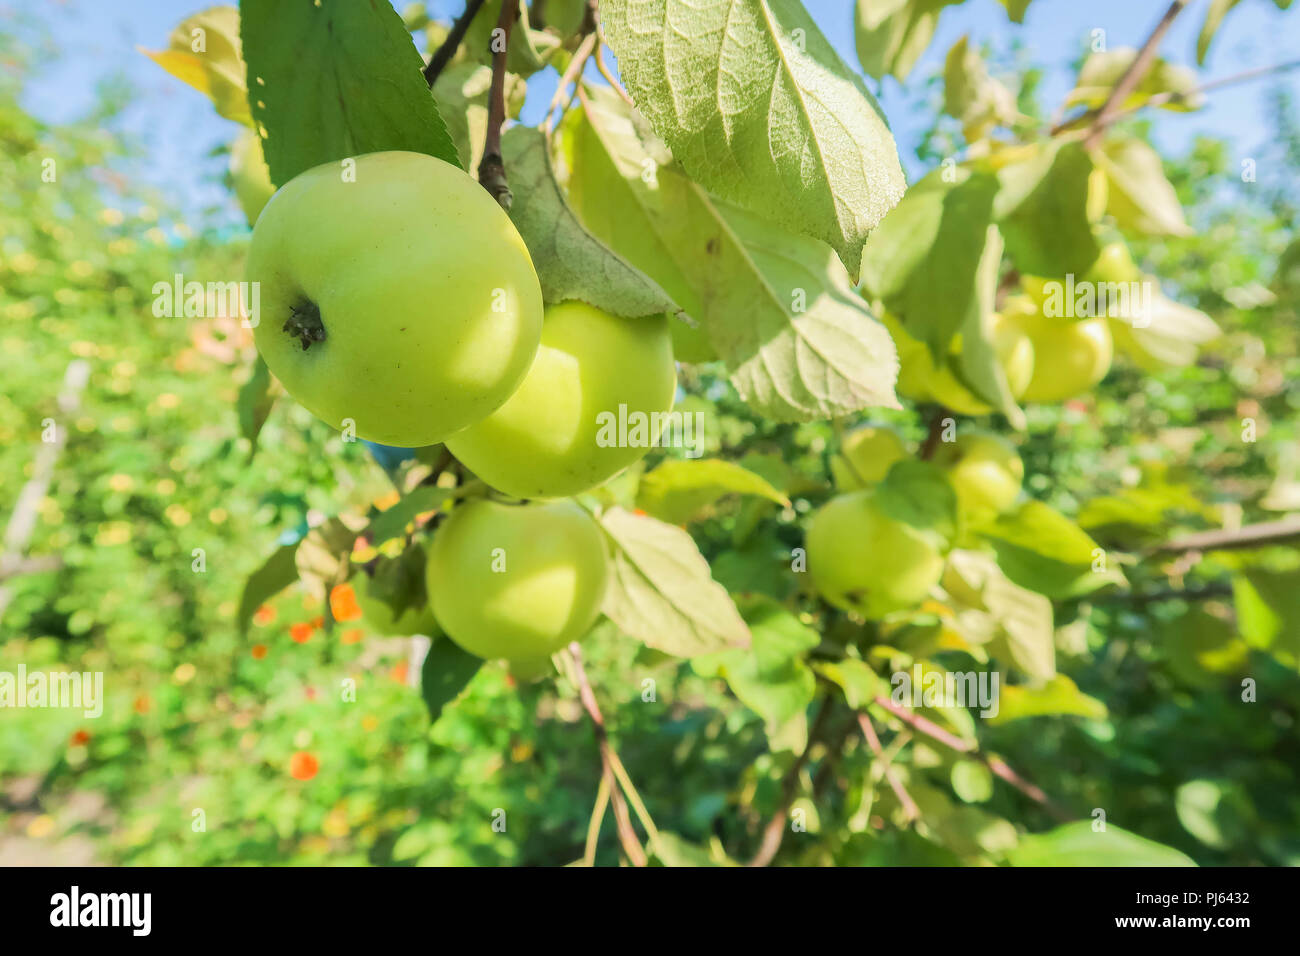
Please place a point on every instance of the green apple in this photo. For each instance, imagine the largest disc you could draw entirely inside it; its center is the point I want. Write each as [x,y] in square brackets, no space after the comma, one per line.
[866,456]
[252,180]
[1114,264]
[554,437]
[516,581]
[985,471]
[863,560]
[1070,356]
[921,380]
[378,615]
[531,670]
[395,295]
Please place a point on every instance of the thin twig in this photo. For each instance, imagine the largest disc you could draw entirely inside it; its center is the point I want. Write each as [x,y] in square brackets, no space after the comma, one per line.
[774,832]
[1129,81]
[626,835]
[442,56]
[931,443]
[597,818]
[1250,536]
[910,808]
[492,168]
[571,74]
[995,764]
[608,74]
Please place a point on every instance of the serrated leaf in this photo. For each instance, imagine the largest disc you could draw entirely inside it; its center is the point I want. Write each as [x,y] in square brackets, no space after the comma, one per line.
[571,263]
[334,79]
[446,671]
[1058,697]
[1042,210]
[277,573]
[1139,195]
[891,35]
[216,69]
[661,591]
[770,118]
[254,403]
[1077,844]
[1042,550]
[679,489]
[778,309]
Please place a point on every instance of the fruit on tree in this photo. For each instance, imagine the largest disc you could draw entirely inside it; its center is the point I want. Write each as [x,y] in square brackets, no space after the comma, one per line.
[921,380]
[1114,264]
[1070,355]
[553,437]
[395,295]
[516,581]
[985,471]
[866,455]
[248,172]
[862,560]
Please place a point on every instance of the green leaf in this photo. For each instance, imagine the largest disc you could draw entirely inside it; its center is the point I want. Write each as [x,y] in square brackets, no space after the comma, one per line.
[323,556]
[972,96]
[279,571]
[334,79]
[1060,696]
[799,342]
[972,781]
[861,684]
[671,850]
[1102,71]
[680,489]
[1202,648]
[923,259]
[1042,209]
[1139,195]
[446,671]
[891,35]
[1077,844]
[216,71]
[661,591]
[1214,15]
[770,677]
[392,522]
[1216,812]
[1268,608]
[1042,550]
[758,108]
[255,403]
[571,263]
[919,494]
[1024,633]
[1016,9]
[980,366]
[528,50]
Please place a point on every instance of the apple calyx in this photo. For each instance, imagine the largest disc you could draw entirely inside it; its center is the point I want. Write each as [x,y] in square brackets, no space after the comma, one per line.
[304,324]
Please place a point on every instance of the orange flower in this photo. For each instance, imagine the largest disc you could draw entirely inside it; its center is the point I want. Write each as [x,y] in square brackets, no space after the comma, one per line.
[80,738]
[143,704]
[352,635]
[264,615]
[310,692]
[343,603]
[303,766]
[301,632]
[399,672]
[258,651]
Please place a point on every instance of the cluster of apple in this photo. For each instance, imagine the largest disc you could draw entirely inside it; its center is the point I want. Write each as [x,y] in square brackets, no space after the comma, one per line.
[860,558]
[1044,358]
[398,300]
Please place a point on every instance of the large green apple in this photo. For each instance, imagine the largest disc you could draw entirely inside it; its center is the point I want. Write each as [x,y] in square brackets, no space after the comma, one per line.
[863,560]
[516,581]
[248,172]
[1070,356]
[559,434]
[395,294]
[985,471]
[866,456]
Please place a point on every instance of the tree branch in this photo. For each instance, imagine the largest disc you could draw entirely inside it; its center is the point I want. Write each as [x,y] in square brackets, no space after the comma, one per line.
[1132,76]
[998,766]
[774,833]
[492,168]
[873,741]
[1250,536]
[442,56]
[622,820]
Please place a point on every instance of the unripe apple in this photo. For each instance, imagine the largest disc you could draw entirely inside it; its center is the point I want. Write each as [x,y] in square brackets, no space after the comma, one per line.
[251,178]
[866,456]
[1114,264]
[863,560]
[985,471]
[516,581]
[395,295]
[1070,356]
[554,437]
[920,380]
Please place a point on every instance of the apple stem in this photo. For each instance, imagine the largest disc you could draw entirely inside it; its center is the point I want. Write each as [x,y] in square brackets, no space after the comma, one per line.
[304,323]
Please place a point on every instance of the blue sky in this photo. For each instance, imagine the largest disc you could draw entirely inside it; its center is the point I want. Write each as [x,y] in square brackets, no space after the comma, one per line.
[97,38]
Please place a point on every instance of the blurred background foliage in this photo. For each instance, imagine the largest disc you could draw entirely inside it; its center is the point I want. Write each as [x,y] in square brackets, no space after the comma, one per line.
[198,717]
